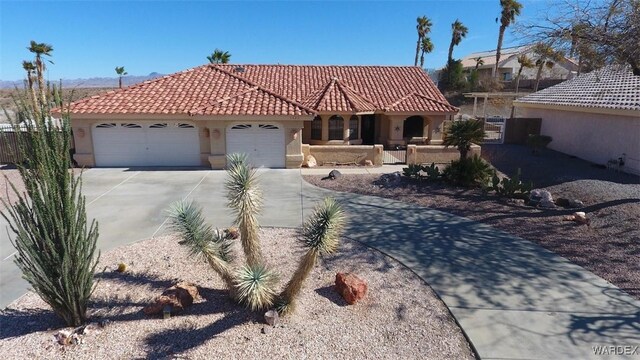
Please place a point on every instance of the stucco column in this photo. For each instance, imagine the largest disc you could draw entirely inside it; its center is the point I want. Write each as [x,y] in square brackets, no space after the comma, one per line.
[217,157]
[396,127]
[82,138]
[325,127]
[436,129]
[293,139]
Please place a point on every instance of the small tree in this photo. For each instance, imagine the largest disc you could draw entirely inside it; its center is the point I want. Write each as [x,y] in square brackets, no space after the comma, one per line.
[463,134]
[546,57]
[56,248]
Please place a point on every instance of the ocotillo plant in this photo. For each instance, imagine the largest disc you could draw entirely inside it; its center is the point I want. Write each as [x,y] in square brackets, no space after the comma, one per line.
[55,245]
[254,284]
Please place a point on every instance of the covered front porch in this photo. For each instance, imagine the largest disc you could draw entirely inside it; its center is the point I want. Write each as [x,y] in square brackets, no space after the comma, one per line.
[375,138]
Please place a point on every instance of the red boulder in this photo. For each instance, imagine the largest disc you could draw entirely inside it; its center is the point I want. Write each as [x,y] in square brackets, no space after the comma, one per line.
[350,287]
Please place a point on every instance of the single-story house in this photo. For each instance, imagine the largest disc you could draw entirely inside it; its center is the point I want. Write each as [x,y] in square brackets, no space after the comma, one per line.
[277,114]
[509,66]
[595,116]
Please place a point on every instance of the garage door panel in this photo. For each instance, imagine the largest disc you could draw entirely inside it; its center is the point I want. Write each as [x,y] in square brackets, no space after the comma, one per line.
[264,146]
[134,144]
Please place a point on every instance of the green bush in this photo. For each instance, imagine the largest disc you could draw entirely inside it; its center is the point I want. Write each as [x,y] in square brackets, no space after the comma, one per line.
[469,172]
[511,187]
[538,142]
[412,171]
[432,171]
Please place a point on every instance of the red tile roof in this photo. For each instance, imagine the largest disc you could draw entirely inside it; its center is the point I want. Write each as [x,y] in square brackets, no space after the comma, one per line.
[274,90]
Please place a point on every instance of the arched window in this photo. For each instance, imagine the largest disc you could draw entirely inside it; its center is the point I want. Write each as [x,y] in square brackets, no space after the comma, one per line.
[336,127]
[316,128]
[413,127]
[353,127]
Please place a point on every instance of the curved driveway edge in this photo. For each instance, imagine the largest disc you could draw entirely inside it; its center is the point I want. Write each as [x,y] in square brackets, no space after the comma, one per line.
[513,298]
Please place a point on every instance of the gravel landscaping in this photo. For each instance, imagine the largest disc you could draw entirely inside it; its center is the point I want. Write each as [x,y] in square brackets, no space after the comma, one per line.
[609,247]
[400,318]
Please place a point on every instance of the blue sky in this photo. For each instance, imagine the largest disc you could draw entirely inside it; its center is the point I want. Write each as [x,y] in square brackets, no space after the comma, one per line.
[90,38]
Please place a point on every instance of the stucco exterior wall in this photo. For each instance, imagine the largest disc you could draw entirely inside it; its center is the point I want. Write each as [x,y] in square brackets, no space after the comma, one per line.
[427,154]
[344,154]
[591,136]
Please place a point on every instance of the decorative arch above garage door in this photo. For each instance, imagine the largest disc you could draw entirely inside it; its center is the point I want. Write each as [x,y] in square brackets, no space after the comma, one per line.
[146,144]
[263,143]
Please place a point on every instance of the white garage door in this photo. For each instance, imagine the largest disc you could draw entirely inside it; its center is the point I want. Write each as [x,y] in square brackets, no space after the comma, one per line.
[263,143]
[150,144]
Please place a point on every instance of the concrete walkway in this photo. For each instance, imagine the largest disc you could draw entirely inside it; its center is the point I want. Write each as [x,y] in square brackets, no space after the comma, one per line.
[514,299]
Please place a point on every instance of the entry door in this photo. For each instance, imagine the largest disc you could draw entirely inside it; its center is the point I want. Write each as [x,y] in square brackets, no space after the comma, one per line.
[263,144]
[368,129]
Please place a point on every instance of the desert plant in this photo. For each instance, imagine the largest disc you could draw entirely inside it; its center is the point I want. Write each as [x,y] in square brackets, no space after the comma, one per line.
[253,284]
[432,171]
[219,57]
[511,187]
[412,171]
[538,142]
[468,172]
[56,247]
[463,134]
[320,234]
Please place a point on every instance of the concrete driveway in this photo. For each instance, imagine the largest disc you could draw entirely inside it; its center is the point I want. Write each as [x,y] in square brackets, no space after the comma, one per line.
[130,205]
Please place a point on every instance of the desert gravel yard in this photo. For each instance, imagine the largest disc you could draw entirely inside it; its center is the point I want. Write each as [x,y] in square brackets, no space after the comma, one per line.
[400,318]
[609,247]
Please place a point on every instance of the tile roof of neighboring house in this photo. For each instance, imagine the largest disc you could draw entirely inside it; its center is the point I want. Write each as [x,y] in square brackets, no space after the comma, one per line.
[612,87]
[274,90]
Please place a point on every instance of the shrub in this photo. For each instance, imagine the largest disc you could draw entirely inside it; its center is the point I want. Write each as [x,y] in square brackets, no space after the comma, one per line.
[469,172]
[432,171]
[412,171]
[511,187]
[462,134]
[538,142]
[56,248]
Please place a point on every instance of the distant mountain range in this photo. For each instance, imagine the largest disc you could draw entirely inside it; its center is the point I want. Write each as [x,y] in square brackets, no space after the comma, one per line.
[96,82]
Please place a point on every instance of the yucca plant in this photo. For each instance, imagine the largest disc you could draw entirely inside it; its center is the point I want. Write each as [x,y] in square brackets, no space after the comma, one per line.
[56,246]
[254,284]
[321,235]
[202,240]
[245,200]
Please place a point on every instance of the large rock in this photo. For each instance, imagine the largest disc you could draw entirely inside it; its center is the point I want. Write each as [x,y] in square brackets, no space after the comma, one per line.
[350,287]
[541,198]
[178,297]
[311,161]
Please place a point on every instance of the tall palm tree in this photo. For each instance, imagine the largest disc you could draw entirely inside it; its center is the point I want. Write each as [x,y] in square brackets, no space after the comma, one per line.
[219,57]
[462,134]
[30,68]
[459,31]
[41,49]
[510,10]
[423,27]
[121,72]
[425,47]
[547,57]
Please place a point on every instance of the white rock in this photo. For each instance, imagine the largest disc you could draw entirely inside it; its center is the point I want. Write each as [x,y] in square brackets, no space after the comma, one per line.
[311,161]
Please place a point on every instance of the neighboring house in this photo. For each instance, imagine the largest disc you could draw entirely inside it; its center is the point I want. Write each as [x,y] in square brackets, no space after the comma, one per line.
[509,66]
[277,114]
[595,116]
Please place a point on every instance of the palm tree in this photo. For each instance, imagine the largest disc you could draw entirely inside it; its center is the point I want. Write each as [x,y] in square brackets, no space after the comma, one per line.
[510,9]
[219,57]
[524,62]
[546,57]
[423,27]
[462,134]
[459,31]
[425,47]
[121,72]
[479,62]
[41,49]
[30,68]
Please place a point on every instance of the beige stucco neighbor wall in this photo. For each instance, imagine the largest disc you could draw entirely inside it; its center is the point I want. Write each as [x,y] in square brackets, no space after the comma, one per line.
[596,137]
[427,154]
[344,154]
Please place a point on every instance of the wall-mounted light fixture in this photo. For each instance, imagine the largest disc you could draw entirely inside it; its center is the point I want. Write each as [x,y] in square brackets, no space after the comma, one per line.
[206,132]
